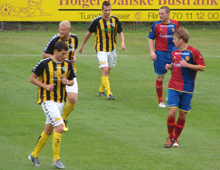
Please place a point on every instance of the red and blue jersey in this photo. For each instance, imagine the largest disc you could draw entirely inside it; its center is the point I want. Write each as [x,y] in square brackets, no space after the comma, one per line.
[182,78]
[163,34]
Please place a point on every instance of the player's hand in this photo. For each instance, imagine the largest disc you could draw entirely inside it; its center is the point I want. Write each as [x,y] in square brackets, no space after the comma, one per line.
[80,49]
[122,46]
[50,87]
[73,59]
[183,63]
[64,80]
[153,56]
[169,66]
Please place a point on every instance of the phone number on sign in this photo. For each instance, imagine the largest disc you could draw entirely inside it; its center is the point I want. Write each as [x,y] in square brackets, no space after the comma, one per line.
[196,15]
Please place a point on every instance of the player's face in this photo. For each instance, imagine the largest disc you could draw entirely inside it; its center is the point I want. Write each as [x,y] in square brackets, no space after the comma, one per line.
[106,12]
[164,17]
[60,56]
[64,32]
[176,41]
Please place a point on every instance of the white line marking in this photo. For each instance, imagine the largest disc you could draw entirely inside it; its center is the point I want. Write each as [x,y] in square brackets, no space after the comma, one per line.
[80,55]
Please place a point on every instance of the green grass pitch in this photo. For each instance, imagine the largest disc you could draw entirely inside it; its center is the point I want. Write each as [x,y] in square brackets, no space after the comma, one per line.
[125,134]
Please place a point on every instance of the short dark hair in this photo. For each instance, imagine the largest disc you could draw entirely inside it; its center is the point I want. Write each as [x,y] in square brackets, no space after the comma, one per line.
[105,3]
[60,45]
[167,9]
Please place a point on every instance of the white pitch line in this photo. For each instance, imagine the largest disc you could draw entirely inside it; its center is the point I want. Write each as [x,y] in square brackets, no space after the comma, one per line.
[80,55]
[36,55]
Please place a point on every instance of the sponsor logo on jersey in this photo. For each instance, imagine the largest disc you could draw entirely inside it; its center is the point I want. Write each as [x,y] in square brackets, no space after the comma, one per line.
[177,64]
[64,68]
[187,58]
[71,45]
[108,29]
[165,36]
[71,50]
[180,53]
[167,26]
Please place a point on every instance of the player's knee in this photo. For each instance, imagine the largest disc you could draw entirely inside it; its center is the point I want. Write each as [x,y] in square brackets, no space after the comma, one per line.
[105,71]
[172,113]
[59,129]
[72,98]
[48,131]
[182,115]
[160,78]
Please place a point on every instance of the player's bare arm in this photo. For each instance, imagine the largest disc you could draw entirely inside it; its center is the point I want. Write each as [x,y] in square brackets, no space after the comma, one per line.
[34,80]
[183,63]
[46,55]
[67,82]
[153,56]
[122,40]
[73,59]
[87,36]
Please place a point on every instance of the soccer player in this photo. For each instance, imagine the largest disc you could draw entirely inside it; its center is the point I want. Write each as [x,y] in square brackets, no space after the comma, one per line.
[54,74]
[187,60]
[105,28]
[162,31]
[72,42]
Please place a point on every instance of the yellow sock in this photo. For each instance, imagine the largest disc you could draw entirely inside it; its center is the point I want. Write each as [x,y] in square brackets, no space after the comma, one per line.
[42,140]
[106,84]
[56,145]
[101,89]
[68,108]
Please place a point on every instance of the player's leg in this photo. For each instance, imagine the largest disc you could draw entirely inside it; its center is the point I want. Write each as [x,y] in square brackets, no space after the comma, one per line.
[72,93]
[159,90]
[105,80]
[159,71]
[185,107]
[172,104]
[159,66]
[56,140]
[41,142]
[179,126]
[103,64]
[111,63]
[48,108]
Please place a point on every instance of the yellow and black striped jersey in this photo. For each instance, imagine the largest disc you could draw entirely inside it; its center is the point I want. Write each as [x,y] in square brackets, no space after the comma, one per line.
[105,33]
[72,43]
[51,72]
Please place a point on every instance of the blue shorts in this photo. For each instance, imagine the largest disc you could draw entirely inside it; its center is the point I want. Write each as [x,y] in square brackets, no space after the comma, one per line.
[163,58]
[179,99]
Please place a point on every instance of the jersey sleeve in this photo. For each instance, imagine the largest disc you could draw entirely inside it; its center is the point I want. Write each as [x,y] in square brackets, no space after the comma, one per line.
[92,26]
[198,58]
[152,33]
[49,49]
[76,42]
[38,69]
[119,26]
[72,73]
[177,26]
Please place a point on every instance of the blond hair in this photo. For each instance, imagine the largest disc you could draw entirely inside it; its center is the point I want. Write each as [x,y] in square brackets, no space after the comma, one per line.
[65,23]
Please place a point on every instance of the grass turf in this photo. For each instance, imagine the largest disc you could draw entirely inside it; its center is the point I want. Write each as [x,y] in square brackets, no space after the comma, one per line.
[125,134]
